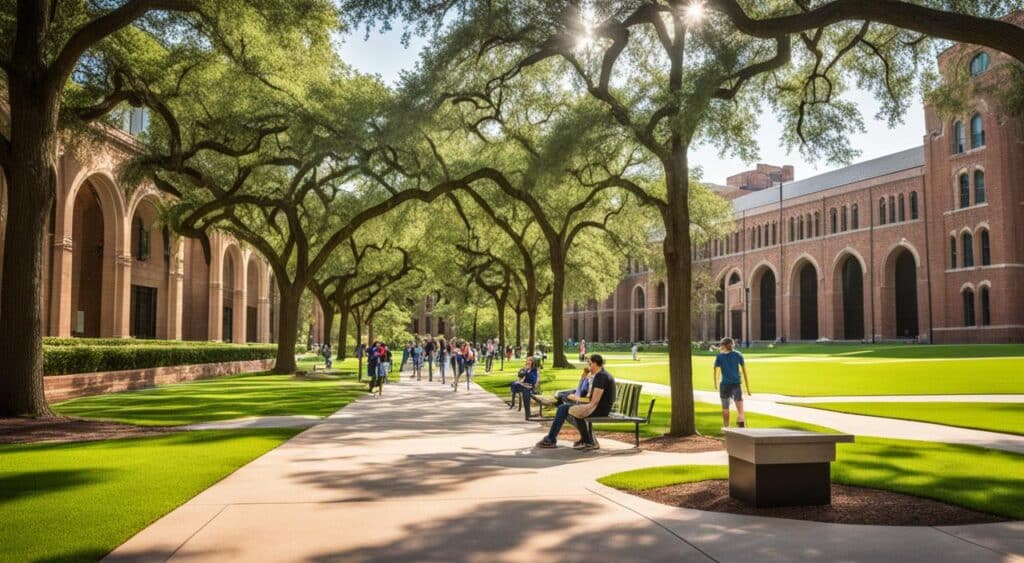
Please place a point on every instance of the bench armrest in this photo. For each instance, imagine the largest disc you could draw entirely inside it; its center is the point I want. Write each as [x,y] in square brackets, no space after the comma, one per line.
[650,410]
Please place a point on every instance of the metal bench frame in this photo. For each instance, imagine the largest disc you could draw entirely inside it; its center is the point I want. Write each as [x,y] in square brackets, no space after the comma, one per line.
[627,402]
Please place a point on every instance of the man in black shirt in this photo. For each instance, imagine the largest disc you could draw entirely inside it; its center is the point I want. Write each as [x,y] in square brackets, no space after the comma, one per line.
[602,397]
[430,349]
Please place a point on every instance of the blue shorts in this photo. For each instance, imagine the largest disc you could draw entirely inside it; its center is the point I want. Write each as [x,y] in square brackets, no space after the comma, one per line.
[730,391]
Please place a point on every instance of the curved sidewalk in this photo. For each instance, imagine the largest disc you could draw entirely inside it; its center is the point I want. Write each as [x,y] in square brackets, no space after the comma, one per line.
[424,474]
[857,424]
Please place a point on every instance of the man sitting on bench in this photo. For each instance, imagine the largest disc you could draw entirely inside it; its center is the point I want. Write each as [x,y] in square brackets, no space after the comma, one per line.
[602,397]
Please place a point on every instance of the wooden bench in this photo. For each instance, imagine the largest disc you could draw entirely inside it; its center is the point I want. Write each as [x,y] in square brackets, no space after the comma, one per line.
[627,402]
[517,399]
[771,467]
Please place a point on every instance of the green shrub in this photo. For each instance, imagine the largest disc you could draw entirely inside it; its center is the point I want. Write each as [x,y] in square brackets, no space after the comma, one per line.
[601,347]
[64,359]
[57,341]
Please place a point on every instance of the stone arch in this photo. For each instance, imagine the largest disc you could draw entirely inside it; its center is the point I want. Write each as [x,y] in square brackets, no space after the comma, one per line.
[255,298]
[804,289]
[94,223]
[900,292]
[232,300]
[149,245]
[764,300]
[638,304]
[850,292]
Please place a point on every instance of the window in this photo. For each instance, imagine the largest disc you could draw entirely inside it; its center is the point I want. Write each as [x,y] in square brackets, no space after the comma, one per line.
[759,236]
[977,132]
[979,63]
[986,252]
[800,229]
[842,220]
[965,191]
[952,253]
[810,233]
[728,245]
[968,244]
[854,218]
[892,209]
[832,220]
[903,209]
[775,228]
[792,229]
[913,205]
[734,279]
[968,307]
[959,143]
[817,224]
[140,238]
[881,211]
[979,187]
[986,307]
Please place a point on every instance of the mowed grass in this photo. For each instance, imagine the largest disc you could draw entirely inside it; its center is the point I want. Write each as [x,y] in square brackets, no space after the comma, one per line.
[831,370]
[78,501]
[980,479]
[222,398]
[995,417]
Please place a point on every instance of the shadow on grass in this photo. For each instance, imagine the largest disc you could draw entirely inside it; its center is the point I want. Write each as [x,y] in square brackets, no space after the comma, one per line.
[34,483]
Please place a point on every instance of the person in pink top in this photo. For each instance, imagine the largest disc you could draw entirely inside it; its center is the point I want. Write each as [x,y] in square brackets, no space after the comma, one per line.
[583,349]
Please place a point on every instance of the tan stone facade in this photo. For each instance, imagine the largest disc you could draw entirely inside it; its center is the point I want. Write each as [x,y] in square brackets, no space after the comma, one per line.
[926,244]
[112,270]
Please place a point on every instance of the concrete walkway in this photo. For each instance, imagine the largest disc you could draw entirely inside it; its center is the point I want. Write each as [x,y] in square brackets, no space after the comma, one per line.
[423,474]
[859,425]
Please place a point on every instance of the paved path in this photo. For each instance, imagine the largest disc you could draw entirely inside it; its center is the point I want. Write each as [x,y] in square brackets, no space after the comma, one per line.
[418,476]
[859,425]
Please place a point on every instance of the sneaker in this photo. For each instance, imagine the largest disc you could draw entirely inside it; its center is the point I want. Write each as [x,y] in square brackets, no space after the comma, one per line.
[577,443]
[586,447]
[546,444]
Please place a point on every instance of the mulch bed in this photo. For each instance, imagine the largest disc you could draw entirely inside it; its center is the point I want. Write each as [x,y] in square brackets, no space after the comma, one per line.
[671,444]
[61,429]
[850,505]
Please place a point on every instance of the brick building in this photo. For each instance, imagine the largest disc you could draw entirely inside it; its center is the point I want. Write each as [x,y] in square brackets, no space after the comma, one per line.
[925,244]
[111,269]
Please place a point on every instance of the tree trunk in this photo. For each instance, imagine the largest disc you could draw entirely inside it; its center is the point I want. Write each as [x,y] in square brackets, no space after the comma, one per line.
[501,333]
[288,329]
[519,328]
[558,308]
[531,319]
[476,314]
[677,263]
[31,190]
[342,334]
[359,340]
[328,325]
[369,329]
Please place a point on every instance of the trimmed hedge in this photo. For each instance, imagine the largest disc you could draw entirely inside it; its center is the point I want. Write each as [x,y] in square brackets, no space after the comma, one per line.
[57,341]
[61,359]
[617,347]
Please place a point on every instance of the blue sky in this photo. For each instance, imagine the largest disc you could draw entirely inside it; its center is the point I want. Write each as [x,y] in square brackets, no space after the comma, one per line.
[384,55]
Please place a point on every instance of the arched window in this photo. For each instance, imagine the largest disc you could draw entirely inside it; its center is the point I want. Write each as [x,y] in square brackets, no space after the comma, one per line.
[817,224]
[854,218]
[728,245]
[903,209]
[734,279]
[662,294]
[968,307]
[832,214]
[977,131]
[775,233]
[892,209]
[140,238]
[913,205]
[881,211]
[842,220]
[959,141]
[986,307]
[800,229]
[968,245]
[979,187]
[952,253]
[979,63]
[810,233]
[965,191]
[792,229]
[639,302]
[759,241]
[986,251]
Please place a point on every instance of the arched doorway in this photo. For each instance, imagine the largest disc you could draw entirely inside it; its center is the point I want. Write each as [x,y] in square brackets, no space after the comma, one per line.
[763,310]
[851,283]
[87,272]
[228,299]
[150,262]
[639,316]
[808,302]
[252,298]
[906,295]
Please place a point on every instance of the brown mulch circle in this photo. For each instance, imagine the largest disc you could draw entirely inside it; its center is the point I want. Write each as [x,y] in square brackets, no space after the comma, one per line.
[61,429]
[687,445]
[850,505]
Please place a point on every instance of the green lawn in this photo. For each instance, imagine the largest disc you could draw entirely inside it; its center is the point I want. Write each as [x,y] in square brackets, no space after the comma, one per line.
[77,502]
[995,417]
[829,370]
[985,480]
[221,399]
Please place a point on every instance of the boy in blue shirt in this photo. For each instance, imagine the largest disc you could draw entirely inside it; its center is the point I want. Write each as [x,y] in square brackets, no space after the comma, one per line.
[730,362]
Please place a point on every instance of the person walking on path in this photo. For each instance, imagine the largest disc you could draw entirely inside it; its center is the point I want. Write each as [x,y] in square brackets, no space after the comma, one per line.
[490,355]
[602,397]
[583,349]
[635,349]
[428,354]
[417,362]
[443,351]
[730,362]
[326,351]
[372,360]
[406,350]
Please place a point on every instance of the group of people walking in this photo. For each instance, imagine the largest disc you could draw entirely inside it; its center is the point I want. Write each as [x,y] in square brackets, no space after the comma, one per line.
[451,359]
